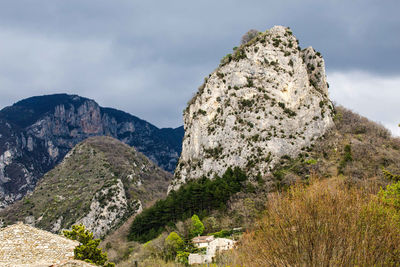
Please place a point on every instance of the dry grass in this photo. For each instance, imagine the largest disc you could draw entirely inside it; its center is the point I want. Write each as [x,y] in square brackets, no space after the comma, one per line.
[116,244]
[150,263]
[325,224]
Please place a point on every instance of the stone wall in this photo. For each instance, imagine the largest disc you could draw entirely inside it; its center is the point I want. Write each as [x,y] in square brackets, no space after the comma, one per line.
[24,245]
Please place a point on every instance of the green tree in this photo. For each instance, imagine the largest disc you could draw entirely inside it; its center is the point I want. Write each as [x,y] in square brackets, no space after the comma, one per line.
[88,250]
[197,226]
[173,244]
[182,257]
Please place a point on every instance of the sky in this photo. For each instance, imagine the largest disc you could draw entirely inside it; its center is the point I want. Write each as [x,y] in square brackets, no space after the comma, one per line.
[149,57]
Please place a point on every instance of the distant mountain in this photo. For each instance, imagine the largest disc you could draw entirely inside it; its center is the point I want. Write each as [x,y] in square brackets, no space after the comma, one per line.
[36,133]
[100,183]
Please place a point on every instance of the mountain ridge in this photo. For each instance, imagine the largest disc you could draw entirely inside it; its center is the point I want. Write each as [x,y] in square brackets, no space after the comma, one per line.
[37,132]
[99,183]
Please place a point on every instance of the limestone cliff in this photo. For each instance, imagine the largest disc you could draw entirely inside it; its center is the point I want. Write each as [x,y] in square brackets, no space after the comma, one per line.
[36,133]
[267,100]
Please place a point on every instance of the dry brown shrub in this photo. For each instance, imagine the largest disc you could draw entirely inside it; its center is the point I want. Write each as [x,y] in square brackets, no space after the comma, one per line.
[328,223]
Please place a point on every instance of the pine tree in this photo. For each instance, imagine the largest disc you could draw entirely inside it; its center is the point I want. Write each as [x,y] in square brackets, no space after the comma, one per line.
[88,249]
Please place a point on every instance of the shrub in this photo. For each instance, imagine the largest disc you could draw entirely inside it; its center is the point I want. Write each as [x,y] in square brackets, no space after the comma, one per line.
[346,158]
[173,244]
[249,36]
[325,224]
[88,249]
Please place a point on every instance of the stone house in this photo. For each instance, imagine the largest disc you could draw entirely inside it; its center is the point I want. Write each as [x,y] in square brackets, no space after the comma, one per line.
[213,246]
[202,241]
[220,244]
[24,245]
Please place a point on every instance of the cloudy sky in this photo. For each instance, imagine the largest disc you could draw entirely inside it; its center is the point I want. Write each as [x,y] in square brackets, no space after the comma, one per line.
[149,57]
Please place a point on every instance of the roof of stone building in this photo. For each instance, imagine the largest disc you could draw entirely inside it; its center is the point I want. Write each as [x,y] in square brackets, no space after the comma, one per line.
[203,239]
[24,245]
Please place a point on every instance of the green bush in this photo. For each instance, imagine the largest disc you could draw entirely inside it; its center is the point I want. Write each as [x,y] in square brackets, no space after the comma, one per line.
[88,249]
[346,158]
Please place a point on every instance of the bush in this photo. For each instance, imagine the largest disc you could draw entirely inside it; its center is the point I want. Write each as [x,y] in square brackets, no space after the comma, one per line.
[173,244]
[325,224]
[248,36]
[88,249]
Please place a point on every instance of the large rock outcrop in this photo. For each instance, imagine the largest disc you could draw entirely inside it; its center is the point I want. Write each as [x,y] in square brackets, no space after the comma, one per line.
[266,101]
[36,133]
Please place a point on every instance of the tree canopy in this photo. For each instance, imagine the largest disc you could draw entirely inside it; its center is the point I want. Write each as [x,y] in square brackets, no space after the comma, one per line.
[200,196]
[88,249]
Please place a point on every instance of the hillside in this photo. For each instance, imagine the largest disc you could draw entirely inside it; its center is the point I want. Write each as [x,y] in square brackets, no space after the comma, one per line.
[276,122]
[266,101]
[100,183]
[36,133]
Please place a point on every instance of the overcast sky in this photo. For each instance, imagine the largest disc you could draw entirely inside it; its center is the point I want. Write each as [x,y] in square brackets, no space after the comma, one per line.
[149,57]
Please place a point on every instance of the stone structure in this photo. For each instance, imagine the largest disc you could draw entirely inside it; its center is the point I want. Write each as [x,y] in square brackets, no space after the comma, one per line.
[199,259]
[213,246]
[266,101]
[202,241]
[24,245]
[220,244]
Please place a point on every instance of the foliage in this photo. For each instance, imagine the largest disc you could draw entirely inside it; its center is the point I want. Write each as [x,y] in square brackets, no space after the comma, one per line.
[325,224]
[223,233]
[182,257]
[197,226]
[173,244]
[391,196]
[88,249]
[346,158]
[200,196]
[389,175]
[249,36]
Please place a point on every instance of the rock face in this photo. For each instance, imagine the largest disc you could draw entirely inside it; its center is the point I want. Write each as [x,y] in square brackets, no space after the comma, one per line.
[36,133]
[266,101]
[100,183]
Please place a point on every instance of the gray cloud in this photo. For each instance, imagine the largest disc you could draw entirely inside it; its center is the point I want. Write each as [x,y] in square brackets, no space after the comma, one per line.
[376,97]
[149,57]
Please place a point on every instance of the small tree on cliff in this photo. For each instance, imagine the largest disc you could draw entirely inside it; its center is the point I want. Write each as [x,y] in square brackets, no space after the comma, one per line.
[88,249]
[249,35]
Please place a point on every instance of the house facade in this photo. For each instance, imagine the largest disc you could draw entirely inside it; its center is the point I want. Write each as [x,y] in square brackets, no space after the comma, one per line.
[213,246]
[219,244]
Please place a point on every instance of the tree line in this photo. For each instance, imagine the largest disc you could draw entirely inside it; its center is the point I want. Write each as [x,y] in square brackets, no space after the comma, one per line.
[199,196]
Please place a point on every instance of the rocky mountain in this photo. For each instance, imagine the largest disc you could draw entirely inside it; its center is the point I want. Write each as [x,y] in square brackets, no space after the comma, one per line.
[100,183]
[36,133]
[266,101]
